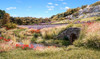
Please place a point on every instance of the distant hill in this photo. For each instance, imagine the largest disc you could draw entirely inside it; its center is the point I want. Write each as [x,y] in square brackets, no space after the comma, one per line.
[79,12]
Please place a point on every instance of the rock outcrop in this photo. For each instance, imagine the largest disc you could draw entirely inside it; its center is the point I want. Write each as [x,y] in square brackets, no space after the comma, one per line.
[71,33]
[87,12]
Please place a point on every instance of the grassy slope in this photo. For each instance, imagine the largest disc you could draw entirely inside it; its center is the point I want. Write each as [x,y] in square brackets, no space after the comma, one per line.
[71,21]
[79,53]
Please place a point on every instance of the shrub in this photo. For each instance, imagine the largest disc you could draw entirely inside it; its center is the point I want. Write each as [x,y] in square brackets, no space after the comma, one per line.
[0,23]
[33,39]
[10,25]
[51,41]
[84,6]
[36,35]
[98,19]
[39,40]
[6,19]
[62,42]
[57,42]
[78,43]
[95,4]
[65,38]
[92,40]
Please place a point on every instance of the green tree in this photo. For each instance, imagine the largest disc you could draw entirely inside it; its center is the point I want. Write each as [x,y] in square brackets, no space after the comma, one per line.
[84,6]
[6,18]
[2,12]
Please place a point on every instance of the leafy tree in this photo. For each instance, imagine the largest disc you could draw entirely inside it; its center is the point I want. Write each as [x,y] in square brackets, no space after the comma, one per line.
[2,12]
[83,6]
[6,18]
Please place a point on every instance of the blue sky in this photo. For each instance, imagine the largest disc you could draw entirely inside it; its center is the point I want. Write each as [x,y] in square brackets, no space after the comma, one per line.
[40,8]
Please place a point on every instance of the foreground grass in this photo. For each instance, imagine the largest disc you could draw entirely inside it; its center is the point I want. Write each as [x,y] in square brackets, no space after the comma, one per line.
[70,53]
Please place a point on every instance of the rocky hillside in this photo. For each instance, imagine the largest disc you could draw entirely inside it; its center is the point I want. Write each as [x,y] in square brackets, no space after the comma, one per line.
[84,11]
[87,12]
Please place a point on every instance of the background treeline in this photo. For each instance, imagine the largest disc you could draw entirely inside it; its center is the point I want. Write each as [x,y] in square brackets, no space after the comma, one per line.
[28,20]
[6,18]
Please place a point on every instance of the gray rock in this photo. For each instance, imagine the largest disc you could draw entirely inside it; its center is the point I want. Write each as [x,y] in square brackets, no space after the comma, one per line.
[86,12]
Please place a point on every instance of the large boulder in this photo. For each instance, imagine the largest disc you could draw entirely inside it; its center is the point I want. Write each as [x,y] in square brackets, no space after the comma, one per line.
[71,34]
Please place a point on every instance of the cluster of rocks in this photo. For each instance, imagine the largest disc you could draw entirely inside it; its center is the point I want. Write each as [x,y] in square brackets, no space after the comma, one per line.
[87,12]
[89,9]
[71,34]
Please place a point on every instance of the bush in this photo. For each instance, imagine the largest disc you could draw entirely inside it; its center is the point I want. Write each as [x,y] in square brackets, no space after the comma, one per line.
[65,38]
[98,19]
[36,35]
[39,40]
[51,41]
[0,23]
[62,42]
[92,40]
[57,42]
[10,25]
[33,39]
[78,43]
[84,6]
[95,4]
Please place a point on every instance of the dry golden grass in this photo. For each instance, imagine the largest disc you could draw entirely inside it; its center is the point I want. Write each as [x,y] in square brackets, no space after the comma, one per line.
[51,32]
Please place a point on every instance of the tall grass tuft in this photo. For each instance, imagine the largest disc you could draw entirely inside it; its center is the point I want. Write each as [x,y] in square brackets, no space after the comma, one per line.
[49,33]
[92,40]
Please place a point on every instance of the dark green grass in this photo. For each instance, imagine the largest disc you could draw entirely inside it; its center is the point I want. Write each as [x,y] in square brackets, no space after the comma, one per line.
[73,53]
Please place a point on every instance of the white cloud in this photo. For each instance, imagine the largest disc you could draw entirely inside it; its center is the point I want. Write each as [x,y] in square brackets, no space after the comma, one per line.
[29,6]
[50,3]
[65,8]
[50,8]
[64,3]
[56,4]
[14,15]
[10,8]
